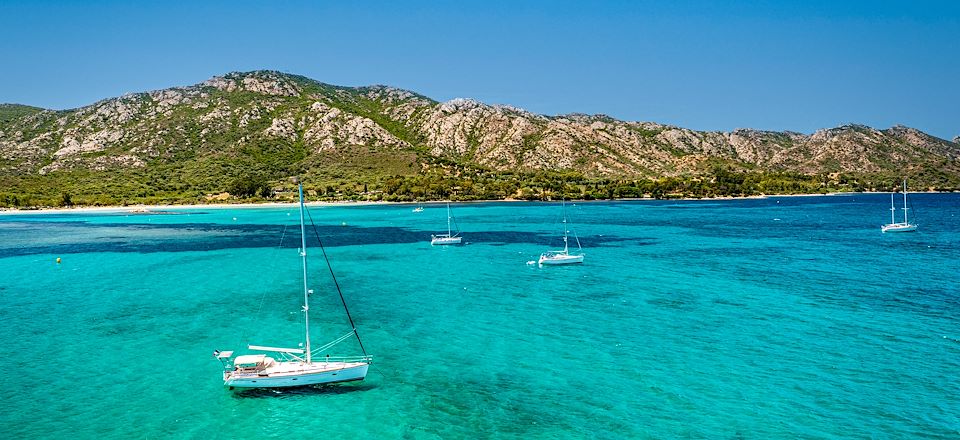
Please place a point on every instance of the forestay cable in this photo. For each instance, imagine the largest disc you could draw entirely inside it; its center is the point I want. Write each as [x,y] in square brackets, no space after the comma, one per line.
[335,283]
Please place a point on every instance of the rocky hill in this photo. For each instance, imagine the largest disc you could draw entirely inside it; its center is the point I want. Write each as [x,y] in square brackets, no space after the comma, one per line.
[270,125]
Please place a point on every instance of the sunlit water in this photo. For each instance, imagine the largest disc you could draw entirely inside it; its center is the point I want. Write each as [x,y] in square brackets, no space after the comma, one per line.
[767,318]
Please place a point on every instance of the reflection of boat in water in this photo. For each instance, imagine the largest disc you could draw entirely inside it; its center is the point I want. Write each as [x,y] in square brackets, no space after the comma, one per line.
[449,237]
[904,226]
[564,256]
[295,366]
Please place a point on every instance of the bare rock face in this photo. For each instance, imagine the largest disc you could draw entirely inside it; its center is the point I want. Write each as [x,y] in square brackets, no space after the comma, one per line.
[226,115]
[266,83]
[328,128]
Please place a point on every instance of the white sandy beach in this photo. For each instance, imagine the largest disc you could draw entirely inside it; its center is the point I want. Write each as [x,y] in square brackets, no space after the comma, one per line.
[147,209]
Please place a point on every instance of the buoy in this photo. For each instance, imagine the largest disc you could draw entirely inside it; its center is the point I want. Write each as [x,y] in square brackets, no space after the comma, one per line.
[58,260]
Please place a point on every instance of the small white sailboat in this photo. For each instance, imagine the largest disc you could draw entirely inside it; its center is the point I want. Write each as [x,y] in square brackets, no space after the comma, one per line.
[294,367]
[905,225]
[449,237]
[554,258]
[419,207]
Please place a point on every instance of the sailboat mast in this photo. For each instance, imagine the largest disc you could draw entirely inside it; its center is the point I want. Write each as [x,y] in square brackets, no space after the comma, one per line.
[893,210]
[306,292]
[449,231]
[563,209]
[905,201]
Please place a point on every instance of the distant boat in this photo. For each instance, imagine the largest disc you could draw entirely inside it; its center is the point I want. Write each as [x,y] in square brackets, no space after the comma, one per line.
[905,225]
[449,237]
[294,367]
[419,207]
[562,257]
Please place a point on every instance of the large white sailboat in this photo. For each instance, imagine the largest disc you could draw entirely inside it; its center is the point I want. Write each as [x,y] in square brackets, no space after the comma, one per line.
[564,256]
[449,237]
[905,225]
[293,367]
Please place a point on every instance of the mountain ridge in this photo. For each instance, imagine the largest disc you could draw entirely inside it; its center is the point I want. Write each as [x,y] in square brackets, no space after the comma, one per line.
[269,125]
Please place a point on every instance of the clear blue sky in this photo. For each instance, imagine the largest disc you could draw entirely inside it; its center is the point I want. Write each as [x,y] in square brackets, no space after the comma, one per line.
[799,65]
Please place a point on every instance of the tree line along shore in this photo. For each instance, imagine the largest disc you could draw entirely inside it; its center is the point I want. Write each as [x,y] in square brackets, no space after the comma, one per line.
[121,189]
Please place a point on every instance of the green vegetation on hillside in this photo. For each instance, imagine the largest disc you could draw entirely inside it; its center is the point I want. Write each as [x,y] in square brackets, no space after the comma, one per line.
[9,112]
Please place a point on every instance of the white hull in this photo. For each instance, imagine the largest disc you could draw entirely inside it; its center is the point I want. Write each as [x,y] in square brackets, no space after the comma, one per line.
[557,260]
[297,374]
[898,227]
[445,240]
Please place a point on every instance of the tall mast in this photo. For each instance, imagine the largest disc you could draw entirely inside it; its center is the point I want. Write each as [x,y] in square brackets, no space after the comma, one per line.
[306,292]
[893,210]
[563,209]
[449,231]
[905,201]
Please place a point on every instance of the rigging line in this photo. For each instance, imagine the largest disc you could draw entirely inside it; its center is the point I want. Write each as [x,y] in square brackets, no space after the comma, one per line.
[256,318]
[577,238]
[282,234]
[331,344]
[394,377]
[335,282]
[913,212]
[455,225]
[557,220]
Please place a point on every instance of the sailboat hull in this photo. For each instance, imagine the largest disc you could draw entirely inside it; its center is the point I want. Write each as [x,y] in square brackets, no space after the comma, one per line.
[560,260]
[435,240]
[290,374]
[899,227]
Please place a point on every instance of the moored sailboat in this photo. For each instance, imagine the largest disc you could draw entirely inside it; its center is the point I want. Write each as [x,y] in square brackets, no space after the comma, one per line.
[449,237]
[905,225]
[292,367]
[564,256]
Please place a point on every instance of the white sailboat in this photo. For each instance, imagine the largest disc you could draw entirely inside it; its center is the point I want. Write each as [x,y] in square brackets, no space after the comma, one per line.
[564,256]
[293,367]
[419,207]
[905,225]
[449,237]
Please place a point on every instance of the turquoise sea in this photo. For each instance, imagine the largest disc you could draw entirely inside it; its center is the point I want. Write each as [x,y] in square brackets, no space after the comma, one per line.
[783,317]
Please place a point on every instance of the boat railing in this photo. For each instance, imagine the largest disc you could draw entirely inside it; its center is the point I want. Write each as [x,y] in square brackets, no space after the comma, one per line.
[361,358]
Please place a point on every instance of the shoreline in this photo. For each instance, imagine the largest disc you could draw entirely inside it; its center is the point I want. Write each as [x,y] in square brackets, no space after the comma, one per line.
[155,209]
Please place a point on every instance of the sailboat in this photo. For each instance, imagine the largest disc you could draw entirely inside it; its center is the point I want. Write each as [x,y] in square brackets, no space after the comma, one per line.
[293,367]
[564,256]
[905,225]
[419,207]
[449,237]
